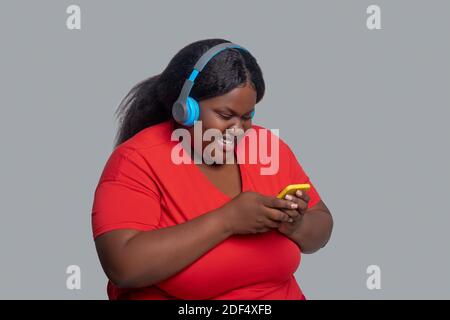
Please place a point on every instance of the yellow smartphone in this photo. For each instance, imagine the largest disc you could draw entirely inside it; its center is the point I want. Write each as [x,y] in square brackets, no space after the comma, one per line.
[292,188]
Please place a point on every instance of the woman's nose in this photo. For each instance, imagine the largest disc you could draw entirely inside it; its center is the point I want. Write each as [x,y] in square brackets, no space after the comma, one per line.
[236,129]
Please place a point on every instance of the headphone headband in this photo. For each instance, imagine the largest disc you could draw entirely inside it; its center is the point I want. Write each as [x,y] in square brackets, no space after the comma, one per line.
[181,109]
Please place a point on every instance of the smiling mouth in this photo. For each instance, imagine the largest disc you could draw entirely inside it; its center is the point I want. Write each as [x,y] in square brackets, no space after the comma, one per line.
[227,139]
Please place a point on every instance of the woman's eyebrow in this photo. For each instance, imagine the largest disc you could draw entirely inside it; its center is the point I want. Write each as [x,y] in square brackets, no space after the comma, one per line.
[230,110]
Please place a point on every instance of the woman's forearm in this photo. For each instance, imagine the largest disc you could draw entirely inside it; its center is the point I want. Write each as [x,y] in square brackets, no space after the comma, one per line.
[314,231]
[152,256]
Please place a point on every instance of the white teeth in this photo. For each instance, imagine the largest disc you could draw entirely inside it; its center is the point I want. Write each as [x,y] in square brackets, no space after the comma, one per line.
[226,140]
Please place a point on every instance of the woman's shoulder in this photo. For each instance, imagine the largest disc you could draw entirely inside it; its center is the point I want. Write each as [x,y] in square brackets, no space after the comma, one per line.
[149,137]
[140,150]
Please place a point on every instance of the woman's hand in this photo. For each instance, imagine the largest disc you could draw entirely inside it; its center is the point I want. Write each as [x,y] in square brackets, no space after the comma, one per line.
[302,199]
[252,212]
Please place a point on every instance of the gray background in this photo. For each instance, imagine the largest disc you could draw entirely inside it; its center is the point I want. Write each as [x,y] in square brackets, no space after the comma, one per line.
[365,112]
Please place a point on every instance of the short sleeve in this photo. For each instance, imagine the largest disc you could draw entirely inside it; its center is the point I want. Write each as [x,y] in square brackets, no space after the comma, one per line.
[298,175]
[126,196]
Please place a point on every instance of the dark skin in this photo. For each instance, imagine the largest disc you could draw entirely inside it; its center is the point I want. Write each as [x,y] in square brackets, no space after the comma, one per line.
[233,108]
[311,228]
[221,113]
[132,258]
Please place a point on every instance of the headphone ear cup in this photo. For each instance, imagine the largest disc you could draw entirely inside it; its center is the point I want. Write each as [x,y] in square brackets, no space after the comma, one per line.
[179,112]
[193,111]
[252,114]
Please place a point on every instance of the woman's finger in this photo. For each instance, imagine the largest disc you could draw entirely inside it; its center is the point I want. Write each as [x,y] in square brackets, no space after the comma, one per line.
[277,214]
[276,203]
[301,203]
[293,214]
[303,195]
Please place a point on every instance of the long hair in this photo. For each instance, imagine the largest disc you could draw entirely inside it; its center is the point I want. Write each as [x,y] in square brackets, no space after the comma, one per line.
[150,101]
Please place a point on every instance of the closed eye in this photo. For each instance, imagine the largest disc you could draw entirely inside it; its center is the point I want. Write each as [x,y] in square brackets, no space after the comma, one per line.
[228,117]
[225,116]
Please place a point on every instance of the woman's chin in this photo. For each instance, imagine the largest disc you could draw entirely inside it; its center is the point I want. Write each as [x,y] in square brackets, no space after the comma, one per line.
[224,158]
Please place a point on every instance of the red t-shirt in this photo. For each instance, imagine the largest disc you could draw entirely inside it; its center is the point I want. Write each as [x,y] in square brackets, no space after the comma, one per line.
[142,188]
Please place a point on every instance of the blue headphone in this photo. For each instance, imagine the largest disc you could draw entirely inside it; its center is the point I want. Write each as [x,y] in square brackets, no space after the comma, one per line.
[186,109]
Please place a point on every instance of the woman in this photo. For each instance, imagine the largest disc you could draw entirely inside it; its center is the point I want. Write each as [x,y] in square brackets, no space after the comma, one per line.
[209,230]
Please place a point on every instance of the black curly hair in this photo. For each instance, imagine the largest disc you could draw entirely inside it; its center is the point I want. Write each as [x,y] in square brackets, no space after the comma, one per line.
[150,101]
